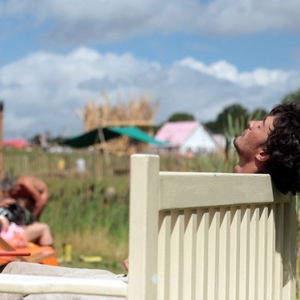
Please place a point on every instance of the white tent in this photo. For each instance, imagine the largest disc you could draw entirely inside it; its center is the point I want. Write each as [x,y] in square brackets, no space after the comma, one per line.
[187,136]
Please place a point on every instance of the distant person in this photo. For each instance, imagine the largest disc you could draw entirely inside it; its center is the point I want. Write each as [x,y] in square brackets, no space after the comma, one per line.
[33,190]
[62,164]
[44,142]
[189,153]
[17,225]
[80,164]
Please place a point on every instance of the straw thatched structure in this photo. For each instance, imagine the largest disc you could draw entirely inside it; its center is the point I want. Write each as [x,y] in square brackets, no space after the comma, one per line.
[135,112]
[138,112]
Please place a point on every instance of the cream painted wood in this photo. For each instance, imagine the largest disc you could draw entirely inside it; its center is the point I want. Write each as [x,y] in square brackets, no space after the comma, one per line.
[26,284]
[213,251]
[236,256]
[224,252]
[253,252]
[244,253]
[163,270]
[202,254]
[144,194]
[234,242]
[182,190]
[270,259]
[279,249]
[176,255]
[239,246]
[190,257]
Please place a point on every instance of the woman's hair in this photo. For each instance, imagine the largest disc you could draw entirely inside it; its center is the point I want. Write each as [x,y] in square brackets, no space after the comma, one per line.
[283,146]
[7,184]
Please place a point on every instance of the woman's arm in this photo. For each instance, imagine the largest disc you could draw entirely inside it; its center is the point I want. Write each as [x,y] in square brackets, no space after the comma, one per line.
[4,223]
[6,202]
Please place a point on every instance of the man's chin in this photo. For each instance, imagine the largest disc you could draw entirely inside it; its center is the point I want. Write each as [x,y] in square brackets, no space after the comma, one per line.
[235,144]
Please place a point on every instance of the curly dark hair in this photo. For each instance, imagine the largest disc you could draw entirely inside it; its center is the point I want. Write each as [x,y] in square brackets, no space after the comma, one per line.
[283,146]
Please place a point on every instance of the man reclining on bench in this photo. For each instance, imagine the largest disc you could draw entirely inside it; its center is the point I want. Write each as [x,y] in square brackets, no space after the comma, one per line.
[268,146]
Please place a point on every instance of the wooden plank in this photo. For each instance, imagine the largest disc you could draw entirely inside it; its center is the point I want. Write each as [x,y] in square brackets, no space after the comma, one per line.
[215,189]
[190,220]
[176,255]
[30,284]
[262,253]
[224,253]
[213,251]
[234,266]
[202,254]
[270,289]
[143,237]
[244,253]
[163,265]
[279,219]
[253,257]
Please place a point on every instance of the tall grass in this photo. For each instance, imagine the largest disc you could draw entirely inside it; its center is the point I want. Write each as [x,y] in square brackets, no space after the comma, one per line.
[92,216]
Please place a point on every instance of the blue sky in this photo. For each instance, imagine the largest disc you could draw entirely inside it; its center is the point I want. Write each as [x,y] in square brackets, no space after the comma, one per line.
[194,56]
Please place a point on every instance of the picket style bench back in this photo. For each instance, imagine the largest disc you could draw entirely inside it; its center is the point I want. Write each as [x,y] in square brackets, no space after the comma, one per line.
[209,236]
[200,236]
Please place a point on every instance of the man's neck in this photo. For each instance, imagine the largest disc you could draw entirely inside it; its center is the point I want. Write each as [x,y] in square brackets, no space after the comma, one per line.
[249,167]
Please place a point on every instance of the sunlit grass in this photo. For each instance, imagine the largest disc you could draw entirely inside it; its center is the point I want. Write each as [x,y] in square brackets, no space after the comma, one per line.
[91,216]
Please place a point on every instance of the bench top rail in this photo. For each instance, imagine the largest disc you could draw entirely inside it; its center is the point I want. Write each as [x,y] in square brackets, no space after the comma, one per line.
[29,284]
[187,190]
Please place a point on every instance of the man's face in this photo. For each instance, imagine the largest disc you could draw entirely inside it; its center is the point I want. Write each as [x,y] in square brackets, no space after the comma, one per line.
[248,144]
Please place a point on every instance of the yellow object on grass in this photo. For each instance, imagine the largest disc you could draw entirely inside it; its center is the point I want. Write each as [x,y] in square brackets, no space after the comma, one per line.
[90,259]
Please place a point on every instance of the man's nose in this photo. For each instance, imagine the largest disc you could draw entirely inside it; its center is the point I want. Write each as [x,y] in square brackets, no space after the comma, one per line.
[251,124]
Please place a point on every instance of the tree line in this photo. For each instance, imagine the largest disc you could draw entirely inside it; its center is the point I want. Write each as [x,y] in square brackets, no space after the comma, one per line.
[236,112]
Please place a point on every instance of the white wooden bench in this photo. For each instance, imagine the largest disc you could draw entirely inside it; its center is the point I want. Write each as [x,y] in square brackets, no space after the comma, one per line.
[206,236]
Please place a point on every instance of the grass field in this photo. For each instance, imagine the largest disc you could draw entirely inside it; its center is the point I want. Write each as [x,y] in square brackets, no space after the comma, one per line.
[92,216]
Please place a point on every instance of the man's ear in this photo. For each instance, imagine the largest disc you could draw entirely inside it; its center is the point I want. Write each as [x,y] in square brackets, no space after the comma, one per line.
[262,156]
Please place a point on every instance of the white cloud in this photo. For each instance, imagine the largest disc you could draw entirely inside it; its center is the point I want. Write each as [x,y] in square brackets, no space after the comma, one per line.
[89,21]
[224,70]
[14,125]
[42,90]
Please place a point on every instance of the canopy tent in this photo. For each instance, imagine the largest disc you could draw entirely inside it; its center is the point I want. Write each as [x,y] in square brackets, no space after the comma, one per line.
[16,143]
[187,137]
[96,136]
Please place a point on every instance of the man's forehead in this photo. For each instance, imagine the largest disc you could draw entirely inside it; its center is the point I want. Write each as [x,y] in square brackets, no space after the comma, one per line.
[269,121]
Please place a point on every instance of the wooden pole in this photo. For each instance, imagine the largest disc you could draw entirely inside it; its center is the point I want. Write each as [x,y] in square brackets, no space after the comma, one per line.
[103,142]
[1,138]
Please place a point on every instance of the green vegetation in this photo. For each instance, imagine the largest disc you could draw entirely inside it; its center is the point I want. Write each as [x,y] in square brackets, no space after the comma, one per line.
[238,113]
[92,216]
[294,96]
[181,117]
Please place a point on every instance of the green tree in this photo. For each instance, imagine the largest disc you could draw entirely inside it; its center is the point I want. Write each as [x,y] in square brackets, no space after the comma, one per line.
[258,114]
[176,117]
[181,117]
[236,111]
[35,139]
[294,96]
